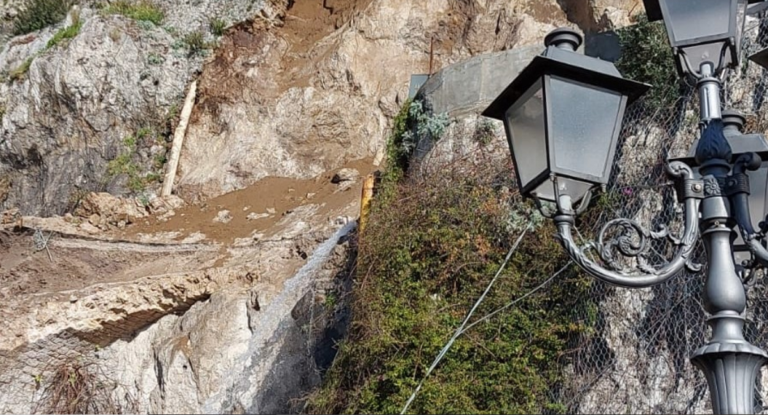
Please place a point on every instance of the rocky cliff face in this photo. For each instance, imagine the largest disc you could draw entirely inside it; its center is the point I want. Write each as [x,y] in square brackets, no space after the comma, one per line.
[287,92]
[199,309]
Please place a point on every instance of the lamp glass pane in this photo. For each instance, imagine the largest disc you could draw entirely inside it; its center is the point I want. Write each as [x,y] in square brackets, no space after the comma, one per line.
[758,192]
[526,124]
[692,19]
[583,124]
[574,188]
[741,18]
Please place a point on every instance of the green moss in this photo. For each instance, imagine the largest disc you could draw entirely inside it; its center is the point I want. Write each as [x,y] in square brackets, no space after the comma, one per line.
[40,14]
[68,32]
[143,10]
[155,59]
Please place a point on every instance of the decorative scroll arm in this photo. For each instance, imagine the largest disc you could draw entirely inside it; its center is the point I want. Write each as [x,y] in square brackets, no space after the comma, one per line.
[626,245]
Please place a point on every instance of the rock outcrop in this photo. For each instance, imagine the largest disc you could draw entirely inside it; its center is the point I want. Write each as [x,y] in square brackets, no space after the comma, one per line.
[185,313]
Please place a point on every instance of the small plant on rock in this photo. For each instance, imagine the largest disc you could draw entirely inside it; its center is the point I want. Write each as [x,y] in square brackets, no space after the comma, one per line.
[115,34]
[484,132]
[20,72]
[217,26]
[80,386]
[155,59]
[196,43]
[68,32]
[143,10]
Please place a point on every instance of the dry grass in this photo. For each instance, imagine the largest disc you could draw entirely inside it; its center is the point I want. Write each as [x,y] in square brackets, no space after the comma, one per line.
[81,386]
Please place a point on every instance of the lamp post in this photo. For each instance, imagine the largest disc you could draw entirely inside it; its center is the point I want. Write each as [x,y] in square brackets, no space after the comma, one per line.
[562,116]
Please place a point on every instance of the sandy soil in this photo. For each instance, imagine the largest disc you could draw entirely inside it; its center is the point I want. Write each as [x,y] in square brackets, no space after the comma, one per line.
[276,197]
[80,262]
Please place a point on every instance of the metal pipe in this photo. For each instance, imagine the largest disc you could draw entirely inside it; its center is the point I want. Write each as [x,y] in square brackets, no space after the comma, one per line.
[709,93]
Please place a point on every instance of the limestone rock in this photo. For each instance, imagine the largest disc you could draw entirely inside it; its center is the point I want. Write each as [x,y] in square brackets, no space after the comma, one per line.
[223,217]
[9,216]
[67,117]
[104,208]
[88,228]
[256,216]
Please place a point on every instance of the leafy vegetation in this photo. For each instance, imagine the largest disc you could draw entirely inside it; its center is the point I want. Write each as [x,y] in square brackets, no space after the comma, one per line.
[143,10]
[155,59]
[217,26]
[484,132]
[647,57]
[68,32]
[196,44]
[40,14]
[431,246]
[125,164]
[411,124]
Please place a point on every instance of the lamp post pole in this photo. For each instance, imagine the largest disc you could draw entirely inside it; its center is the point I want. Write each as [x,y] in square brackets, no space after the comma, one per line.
[728,361]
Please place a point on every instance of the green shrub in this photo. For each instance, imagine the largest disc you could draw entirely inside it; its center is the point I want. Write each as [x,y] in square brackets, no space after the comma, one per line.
[123,164]
[217,26]
[143,10]
[647,57]
[68,32]
[397,156]
[430,248]
[426,255]
[40,14]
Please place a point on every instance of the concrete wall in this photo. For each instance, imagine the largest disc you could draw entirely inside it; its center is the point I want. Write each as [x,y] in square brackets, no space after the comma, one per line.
[470,86]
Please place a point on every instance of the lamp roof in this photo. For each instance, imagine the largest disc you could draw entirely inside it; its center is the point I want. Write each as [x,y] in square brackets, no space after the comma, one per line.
[567,64]
[653,9]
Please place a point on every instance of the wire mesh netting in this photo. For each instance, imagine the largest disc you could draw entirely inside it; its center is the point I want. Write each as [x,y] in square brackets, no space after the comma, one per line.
[636,358]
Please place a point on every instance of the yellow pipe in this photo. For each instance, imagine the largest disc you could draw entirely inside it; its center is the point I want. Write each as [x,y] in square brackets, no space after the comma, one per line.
[365,200]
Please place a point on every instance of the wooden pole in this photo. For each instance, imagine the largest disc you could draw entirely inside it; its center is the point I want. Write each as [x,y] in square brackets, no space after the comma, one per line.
[178,140]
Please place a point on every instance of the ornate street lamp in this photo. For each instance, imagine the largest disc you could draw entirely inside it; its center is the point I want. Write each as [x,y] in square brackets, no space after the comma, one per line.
[702,31]
[562,115]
